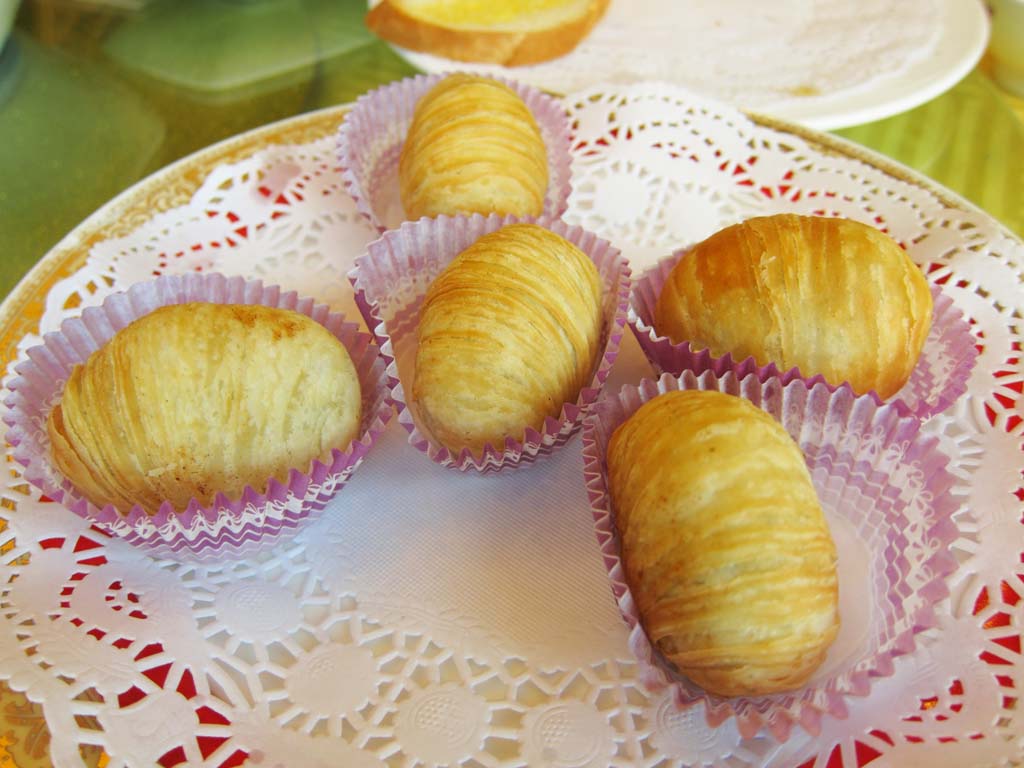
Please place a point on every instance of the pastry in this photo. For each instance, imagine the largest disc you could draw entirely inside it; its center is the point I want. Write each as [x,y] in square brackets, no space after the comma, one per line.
[829,296]
[473,147]
[508,333]
[196,399]
[508,32]
[724,544]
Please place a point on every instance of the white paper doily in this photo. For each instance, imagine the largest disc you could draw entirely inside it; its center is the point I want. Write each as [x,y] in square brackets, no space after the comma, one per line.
[824,63]
[430,618]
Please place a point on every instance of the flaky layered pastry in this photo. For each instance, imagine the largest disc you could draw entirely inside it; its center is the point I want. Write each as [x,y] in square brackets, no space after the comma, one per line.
[196,399]
[724,544]
[473,147]
[829,296]
[508,333]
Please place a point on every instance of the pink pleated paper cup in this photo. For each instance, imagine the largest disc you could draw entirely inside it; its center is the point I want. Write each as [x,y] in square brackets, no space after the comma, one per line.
[228,527]
[370,141]
[390,282]
[938,380]
[885,491]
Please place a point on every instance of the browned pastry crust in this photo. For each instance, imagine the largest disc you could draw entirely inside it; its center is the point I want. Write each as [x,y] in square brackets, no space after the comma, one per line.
[509,47]
[508,333]
[195,399]
[829,296]
[473,147]
[724,544]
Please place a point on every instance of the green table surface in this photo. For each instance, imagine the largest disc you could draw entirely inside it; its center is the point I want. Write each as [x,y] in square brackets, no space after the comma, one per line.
[94,96]
[97,95]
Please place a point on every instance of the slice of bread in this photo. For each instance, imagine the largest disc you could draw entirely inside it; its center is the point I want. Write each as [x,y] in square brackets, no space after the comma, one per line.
[508,32]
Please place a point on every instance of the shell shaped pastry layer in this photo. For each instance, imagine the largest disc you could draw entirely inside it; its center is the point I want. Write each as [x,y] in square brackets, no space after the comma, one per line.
[473,147]
[196,399]
[724,544]
[830,296]
[508,333]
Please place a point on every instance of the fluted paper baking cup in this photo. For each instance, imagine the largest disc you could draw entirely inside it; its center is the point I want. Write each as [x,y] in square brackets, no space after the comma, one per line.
[938,379]
[390,282]
[370,141]
[228,526]
[885,491]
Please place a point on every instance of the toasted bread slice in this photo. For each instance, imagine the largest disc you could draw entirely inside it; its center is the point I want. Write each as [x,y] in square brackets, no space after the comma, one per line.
[508,32]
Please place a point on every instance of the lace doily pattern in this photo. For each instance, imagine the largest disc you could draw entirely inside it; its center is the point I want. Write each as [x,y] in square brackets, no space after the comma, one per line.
[470,617]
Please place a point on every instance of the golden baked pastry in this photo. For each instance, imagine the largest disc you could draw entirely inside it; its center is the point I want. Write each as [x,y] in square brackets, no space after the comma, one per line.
[508,333]
[829,296]
[195,399]
[724,544]
[473,147]
[508,32]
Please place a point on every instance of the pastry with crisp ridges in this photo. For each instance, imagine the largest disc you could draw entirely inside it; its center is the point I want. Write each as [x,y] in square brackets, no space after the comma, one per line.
[724,543]
[196,399]
[508,333]
[473,147]
[829,296]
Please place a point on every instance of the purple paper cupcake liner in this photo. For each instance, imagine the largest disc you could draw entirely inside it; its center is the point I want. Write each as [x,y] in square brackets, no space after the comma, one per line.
[227,526]
[390,281]
[886,492]
[370,141]
[938,379]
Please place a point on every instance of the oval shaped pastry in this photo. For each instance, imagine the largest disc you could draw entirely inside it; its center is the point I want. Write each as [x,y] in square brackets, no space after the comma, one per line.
[196,399]
[724,544]
[508,333]
[828,296]
[473,147]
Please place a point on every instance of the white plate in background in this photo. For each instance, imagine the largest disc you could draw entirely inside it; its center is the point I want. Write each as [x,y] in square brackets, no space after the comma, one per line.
[944,43]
